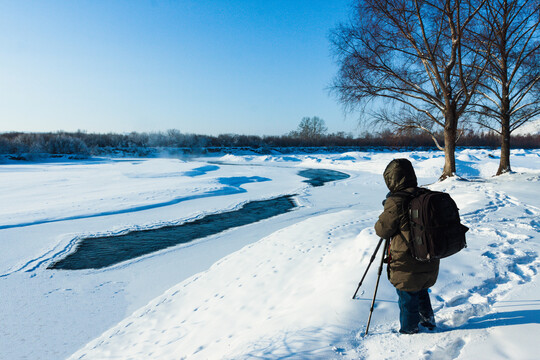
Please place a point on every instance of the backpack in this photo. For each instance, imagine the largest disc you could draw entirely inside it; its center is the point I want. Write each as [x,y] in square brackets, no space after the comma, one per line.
[436,230]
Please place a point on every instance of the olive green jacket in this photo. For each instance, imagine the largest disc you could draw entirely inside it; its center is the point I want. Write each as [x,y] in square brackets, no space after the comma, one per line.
[404,272]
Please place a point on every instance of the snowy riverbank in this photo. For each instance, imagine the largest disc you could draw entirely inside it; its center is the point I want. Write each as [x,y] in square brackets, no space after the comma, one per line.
[277,288]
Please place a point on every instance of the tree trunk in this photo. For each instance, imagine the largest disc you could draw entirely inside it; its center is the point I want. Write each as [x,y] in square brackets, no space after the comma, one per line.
[504,164]
[450,134]
[449,153]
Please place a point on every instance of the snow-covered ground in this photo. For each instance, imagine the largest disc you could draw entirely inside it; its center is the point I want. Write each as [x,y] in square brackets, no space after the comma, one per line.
[278,288]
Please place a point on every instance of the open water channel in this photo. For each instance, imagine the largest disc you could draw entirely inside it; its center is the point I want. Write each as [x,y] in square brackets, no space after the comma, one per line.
[100,252]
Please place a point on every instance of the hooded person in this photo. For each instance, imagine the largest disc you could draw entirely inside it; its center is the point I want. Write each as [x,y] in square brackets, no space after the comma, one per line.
[410,277]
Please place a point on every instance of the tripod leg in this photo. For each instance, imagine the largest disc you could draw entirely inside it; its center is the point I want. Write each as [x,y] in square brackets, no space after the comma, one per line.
[370,261]
[377,285]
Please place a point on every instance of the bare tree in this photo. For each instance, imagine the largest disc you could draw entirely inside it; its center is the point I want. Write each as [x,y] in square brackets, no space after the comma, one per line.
[417,53]
[310,128]
[510,93]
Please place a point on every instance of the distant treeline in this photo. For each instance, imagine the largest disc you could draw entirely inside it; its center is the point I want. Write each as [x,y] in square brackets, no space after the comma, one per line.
[147,144]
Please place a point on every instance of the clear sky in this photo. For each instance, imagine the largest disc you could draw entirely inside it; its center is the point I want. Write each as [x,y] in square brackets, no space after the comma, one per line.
[199,66]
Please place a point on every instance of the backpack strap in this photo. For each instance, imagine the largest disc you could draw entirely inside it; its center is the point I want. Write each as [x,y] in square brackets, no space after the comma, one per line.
[409,196]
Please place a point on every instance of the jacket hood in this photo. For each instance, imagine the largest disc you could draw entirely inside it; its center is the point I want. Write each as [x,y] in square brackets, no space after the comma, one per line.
[399,175]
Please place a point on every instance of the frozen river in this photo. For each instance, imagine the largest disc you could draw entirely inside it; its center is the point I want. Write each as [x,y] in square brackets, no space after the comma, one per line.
[293,271]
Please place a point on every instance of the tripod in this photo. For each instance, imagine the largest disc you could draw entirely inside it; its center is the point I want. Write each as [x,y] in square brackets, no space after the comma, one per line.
[378,277]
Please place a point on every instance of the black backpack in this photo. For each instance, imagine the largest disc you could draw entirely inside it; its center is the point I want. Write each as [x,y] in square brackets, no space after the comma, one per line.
[436,230]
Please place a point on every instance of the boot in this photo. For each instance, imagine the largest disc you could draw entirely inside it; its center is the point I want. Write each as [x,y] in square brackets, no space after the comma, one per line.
[428,322]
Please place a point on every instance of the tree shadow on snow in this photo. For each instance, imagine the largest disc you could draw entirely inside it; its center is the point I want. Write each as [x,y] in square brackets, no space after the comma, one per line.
[506,318]
[305,344]
[467,169]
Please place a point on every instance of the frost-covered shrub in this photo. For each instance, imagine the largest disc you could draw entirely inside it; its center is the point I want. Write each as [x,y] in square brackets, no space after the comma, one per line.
[5,146]
[65,144]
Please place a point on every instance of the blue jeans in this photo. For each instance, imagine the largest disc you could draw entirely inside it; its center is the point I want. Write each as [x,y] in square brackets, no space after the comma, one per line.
[411,305]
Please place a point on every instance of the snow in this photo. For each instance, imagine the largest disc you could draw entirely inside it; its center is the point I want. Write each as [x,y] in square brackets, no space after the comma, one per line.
[278,288]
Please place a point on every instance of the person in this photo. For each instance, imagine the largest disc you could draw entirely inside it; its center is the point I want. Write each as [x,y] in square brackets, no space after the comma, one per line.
[410,277]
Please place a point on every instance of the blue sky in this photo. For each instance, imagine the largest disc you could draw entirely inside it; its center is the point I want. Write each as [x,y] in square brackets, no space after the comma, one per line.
[209,67]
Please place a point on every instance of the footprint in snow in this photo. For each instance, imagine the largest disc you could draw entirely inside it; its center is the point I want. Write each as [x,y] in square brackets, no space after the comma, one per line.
[489,255]
[458,300]
[447,351]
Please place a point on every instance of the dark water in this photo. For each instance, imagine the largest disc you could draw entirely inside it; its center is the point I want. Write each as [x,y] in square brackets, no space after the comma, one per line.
[318,177]
[100,252]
